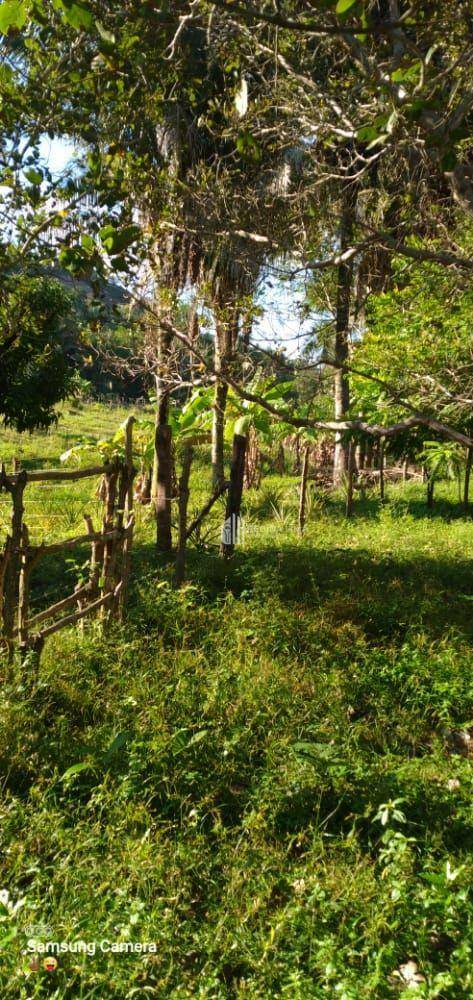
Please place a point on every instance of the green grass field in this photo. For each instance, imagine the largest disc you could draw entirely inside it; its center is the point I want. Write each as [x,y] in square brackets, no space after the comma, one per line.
[266,773]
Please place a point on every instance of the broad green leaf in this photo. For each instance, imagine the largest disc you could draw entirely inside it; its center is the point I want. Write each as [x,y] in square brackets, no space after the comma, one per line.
[33,175]
[344,5]
[106,36]
[76,14]
[116,745]
[242,425]
[75,769]
[116,240]
[13,14]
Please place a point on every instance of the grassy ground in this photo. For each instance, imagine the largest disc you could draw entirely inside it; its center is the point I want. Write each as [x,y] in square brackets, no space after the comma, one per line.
[263,773]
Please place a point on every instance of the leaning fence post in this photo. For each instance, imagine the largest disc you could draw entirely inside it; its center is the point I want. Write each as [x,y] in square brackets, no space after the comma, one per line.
[110,490]
[15,485]
[4,560]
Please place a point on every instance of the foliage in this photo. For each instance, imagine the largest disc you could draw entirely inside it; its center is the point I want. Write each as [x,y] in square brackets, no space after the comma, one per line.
[260,776]
[37,347]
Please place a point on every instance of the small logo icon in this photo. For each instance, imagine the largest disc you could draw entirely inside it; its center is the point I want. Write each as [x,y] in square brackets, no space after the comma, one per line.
[50,963]
[38,931]
[34,964]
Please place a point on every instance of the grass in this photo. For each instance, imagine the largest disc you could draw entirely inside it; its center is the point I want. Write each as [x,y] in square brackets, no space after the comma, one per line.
[263,773]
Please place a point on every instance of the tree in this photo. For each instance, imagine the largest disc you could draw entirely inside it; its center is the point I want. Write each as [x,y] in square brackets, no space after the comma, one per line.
[38,350]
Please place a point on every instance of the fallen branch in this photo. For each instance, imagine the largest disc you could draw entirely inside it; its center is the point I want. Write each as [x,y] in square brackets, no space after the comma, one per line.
[206,509]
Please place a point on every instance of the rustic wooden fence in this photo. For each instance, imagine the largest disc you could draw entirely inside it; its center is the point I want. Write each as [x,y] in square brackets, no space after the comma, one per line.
[110,558]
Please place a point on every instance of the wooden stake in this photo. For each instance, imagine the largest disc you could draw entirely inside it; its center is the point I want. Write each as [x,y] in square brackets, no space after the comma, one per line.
[16,489]
[128,538]
[108,519]
[232,515]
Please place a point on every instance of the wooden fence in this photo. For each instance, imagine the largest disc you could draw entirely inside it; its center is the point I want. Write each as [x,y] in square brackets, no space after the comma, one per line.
[110,558]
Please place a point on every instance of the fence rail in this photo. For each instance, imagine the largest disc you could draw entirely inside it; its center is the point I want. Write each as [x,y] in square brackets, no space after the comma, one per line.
[110,558]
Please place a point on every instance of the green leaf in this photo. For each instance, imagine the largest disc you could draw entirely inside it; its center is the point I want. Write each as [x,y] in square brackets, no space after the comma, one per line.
[34,176]
[106,36]
[13,14]
[75,769]
[242,425]
[116,745]
[116,240]
[76,14]
[344,5]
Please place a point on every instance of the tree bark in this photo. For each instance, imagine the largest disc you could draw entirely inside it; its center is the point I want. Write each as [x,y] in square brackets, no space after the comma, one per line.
[163,451]
[430,493]
[218,434]
[187,457]
[226,331]
[161,486]
[342,328]
[350,471]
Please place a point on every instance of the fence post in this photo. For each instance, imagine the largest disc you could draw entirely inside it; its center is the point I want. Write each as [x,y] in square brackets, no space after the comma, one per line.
[15,486]
[24,588]
[232,514]
[110,493]
[129,474]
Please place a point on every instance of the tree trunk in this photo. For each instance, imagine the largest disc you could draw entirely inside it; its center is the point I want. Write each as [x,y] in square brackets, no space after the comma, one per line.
[226,333]
[466,484]
[161,487]
[235,491]
[360,455]
[381,469]
[430,493]
[163,451]
[218,434]
[350,472]
[187,456]
[342,328]
[280,460]
[303,495]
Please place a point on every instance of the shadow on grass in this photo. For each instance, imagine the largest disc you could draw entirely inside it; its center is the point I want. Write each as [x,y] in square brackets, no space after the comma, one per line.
[399,506]
[384,594]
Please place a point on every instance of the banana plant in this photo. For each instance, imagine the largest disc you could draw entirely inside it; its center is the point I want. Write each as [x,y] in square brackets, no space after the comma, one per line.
[443,460]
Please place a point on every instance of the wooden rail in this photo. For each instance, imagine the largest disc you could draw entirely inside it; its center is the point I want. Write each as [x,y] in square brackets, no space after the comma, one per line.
[110,561]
